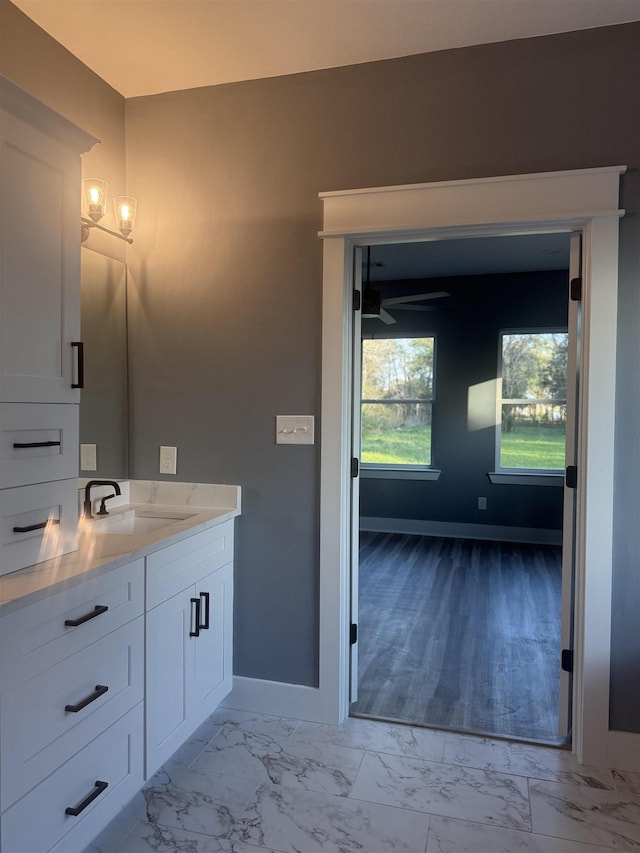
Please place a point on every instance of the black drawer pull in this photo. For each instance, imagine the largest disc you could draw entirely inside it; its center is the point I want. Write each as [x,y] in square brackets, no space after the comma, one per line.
[196,633]
[21,445]
[98,609]
[100,690]
[205,625]
[80,347]
[31,527]
[74,811]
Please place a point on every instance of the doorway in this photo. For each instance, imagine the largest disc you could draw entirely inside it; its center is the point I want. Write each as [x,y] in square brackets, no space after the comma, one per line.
[463,411]
[586,199]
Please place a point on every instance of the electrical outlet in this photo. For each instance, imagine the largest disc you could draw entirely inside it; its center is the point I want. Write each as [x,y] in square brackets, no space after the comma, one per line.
[482,503]
[168,460]
[88,461]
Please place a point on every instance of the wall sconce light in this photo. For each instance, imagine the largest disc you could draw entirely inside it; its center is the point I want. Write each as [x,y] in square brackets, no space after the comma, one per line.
[125,213]
[95,204]
[95,197]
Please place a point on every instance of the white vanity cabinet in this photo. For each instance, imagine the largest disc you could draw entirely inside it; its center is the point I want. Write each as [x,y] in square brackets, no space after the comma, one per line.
[71,712]
[40,350]
[189,637]
[40,246]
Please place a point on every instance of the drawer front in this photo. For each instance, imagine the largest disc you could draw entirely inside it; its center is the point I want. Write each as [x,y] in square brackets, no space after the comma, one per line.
[38,443]
[37,523]
[39,822]
[37,637]
[181,565]
[56,713]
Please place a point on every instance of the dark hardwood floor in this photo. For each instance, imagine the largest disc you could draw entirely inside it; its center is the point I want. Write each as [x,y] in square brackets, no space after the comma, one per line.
[460,634]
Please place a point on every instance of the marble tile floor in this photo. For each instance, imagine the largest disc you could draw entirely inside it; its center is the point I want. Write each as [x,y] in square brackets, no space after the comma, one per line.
[246,783]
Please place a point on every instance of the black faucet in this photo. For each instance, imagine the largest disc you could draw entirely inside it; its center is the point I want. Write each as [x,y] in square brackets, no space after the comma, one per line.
[87,495]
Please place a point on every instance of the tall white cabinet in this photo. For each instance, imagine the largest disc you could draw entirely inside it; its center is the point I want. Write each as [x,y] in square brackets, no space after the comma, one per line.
[40,349]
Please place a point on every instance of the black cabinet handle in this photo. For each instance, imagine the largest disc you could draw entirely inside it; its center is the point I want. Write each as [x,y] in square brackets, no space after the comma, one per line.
[205,625]
[22,445]
[98,609]
[79,345]
[31,527]
[196,633]
[74,811]
[100,690]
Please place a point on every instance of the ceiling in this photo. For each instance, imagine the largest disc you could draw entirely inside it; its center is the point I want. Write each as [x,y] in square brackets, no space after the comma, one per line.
[467,256]
[143,47]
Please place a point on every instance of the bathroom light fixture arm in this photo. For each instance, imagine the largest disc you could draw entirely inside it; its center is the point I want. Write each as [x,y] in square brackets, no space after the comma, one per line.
[86,224]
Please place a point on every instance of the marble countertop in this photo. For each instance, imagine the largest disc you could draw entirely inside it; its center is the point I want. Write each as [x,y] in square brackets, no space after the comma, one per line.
[205,506]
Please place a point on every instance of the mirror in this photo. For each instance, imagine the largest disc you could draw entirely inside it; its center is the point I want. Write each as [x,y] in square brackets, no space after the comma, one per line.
[103,406]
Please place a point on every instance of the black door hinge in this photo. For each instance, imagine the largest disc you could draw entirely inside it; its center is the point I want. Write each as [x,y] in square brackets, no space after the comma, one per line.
[566,660]
[355,467]
[357,300]
[571,477]
[575,289]
[353,634]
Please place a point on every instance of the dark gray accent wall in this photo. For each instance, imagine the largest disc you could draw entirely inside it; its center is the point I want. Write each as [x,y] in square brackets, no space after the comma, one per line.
[227,276]
[467,326]
[226,303]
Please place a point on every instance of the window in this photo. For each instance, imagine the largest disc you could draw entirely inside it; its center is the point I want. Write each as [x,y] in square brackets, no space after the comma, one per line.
[533,406]
[397,400]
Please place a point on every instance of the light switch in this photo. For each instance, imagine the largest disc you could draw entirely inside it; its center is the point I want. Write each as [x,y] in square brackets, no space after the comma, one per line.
[294,429]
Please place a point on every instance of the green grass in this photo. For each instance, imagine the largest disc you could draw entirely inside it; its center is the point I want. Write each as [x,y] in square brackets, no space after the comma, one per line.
[524,447]
[533,447]
[404,445]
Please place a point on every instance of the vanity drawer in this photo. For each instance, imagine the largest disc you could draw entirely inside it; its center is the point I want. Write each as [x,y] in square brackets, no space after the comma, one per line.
[39,822]
[58,712]
[38,443]
[37,637]
[178,566]
[37,523]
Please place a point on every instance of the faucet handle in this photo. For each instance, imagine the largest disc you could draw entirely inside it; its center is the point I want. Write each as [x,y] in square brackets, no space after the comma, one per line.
[103,508]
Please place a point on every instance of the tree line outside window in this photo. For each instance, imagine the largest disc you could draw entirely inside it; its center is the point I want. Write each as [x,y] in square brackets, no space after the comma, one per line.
[533,402]
[398,400]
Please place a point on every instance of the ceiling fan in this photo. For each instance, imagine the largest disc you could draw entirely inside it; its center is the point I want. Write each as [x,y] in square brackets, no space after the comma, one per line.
[374,306]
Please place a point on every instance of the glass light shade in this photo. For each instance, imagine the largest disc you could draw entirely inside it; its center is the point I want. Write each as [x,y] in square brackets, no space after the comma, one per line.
[95,197]
[125,213]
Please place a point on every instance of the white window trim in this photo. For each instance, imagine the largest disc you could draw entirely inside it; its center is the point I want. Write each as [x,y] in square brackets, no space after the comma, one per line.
[526,477]
[581,200]
[377,471]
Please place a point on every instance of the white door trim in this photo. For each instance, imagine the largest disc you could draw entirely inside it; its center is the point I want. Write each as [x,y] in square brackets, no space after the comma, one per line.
[585,199]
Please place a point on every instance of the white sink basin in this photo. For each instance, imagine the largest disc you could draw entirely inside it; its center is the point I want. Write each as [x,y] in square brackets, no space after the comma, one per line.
[136,521]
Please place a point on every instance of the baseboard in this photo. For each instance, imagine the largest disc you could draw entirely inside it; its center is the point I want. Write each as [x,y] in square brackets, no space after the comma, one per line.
[623,751]
[276,698]
[455,530]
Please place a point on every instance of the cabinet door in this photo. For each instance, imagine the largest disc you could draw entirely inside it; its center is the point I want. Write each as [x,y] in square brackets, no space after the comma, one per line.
[169,677]
[40,277]
[213,648]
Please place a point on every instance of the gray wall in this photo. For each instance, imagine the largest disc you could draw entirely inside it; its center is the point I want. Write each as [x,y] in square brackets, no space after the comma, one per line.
[228,268]
[227,263]
[467,326]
